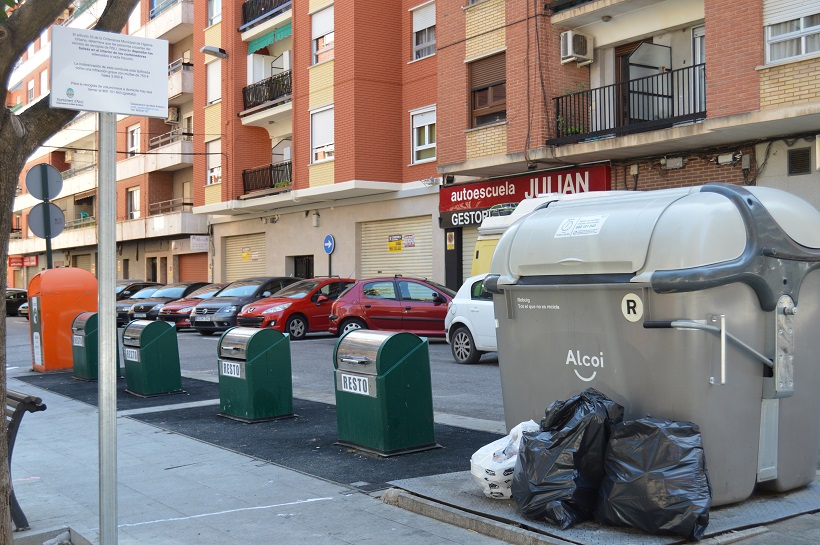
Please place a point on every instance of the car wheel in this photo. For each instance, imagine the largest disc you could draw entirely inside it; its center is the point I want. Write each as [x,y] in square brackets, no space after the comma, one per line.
[205,332]
[463,346]
[297,327]
[351,324]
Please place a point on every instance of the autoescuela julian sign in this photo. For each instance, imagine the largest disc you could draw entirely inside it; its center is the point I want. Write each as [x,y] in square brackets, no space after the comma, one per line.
[468,204]
[107,72]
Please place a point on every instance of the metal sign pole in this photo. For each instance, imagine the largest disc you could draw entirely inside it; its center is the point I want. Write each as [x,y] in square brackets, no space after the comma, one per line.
[107,323]
[47,215]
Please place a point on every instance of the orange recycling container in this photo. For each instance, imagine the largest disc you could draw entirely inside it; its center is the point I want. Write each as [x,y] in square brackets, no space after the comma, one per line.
[55,297]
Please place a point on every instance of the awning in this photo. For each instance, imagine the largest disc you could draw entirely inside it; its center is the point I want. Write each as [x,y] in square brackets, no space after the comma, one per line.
[267,39]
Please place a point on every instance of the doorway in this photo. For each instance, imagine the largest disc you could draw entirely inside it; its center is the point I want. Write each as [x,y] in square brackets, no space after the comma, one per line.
[303,266]
[151,269]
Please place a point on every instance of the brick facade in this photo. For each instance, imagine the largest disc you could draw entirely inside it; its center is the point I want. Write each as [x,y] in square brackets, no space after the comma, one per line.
[792,83]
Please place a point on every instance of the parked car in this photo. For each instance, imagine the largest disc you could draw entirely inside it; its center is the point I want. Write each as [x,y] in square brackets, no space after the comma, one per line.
[298,309]
[126,288]
[179,312]
[219,312]
[124,305]
[14,298]
[23,310]
[392,304]
[470,321]
[148,309]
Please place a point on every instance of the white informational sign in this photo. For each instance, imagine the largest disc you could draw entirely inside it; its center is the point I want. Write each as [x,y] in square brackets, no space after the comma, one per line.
[581,227]
[106,72]
[199,243]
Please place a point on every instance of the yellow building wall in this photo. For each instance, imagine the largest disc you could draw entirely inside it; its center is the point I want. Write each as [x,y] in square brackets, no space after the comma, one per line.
[489,16]
[486,141]
[790,83]
[321,174]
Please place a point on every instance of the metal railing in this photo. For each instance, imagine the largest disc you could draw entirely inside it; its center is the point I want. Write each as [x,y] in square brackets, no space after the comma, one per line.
[161,6]
[178,65]
[257,11]
[639,105]
[167,207]
[79,223]
[170,137]
[16,107]
[275,176]
[16,232]
[561,5]
[274,89]
[74,171]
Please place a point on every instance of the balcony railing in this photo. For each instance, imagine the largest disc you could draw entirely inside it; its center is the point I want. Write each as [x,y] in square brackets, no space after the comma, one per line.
[83,221]
[255,12]
[179,64]
[161,6]
[639,105]
[70,173]
[561,5]
[16,232]
[167,207]
[274,89]
[170,137]
[275,176]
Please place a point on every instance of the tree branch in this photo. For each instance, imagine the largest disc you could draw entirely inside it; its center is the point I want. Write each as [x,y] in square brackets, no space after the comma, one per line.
[22,28]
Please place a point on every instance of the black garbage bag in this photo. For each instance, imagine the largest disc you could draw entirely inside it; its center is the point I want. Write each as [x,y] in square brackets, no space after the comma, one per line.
[559,469]
[656,479]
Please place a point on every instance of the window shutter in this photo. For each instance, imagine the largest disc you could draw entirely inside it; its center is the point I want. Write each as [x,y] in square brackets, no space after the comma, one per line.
[488,71]
[213,82]
[779,11]
[424,17]
[321,128]
[322,22]
[214,151]
[426,118]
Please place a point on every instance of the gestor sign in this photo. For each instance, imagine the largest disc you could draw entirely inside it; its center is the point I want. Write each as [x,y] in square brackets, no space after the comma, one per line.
[468,204]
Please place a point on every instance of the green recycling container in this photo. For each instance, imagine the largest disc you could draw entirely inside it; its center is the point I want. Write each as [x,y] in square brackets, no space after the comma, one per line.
[255,382]
[151,358]
[85,347]
[384,398]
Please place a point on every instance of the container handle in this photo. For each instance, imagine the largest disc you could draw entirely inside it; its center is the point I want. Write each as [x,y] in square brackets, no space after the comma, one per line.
[357,361]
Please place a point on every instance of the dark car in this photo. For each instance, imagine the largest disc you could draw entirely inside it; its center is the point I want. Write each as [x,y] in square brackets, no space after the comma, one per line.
[219,312]
[15,298]
[148,309]
[126,288]
[124,305]
[392,304]
[298,309]
[179,312]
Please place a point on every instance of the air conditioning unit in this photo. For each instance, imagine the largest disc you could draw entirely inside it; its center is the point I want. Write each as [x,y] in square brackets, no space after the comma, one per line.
[576,47]
[173,115]
[69,156]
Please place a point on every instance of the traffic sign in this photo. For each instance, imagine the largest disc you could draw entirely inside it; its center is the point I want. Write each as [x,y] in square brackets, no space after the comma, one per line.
[329,244]
[37,220]
[44,182]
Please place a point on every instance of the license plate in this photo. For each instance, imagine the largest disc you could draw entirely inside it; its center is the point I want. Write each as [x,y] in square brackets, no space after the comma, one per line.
[140,315]
[78,340]
[132,354]
[202,318]
[355,384]
[231,369]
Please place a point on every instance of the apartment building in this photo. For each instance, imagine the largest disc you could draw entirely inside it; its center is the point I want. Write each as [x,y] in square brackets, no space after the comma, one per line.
[648,94]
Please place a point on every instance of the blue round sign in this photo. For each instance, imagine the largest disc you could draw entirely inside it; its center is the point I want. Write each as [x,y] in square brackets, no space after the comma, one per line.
[329,244]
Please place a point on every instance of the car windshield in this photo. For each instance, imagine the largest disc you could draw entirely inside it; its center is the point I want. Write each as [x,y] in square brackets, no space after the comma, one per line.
[120,287]
[172,292]
[298,290]
[144,293]
[441,288]
[240,288]
[206,292]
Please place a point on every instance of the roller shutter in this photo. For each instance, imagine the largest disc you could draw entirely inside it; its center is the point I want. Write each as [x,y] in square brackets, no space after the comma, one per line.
[83,262]
[18,279]
[244,256]
[412,257]
[193,267]
[468,237]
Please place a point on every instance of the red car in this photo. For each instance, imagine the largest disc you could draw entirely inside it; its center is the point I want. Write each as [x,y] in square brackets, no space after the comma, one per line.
[178,312]
[392,304]
[297,309]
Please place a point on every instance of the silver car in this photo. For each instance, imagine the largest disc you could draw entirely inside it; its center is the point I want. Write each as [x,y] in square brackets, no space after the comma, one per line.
[470,322]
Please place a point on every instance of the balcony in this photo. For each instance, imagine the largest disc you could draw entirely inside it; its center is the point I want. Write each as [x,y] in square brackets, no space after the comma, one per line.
[173,151]
[171,20]
[577,13]
[180,82]
[267,180]
[166,219]
[645,104]
[268,104]
[81,222]
[167,207]
[258,12]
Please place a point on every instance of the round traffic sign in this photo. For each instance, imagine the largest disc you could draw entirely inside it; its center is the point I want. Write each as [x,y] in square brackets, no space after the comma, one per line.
[329,244]
[44,182]
[37,220]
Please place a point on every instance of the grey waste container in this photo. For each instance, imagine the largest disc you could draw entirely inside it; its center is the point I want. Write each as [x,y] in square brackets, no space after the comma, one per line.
[679,303]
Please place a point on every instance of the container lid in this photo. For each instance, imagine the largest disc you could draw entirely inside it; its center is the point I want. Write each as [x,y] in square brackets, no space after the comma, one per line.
[132,332]
[234,342]
[358,351]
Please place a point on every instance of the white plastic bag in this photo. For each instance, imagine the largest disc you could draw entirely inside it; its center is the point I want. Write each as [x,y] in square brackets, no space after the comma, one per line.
[492,465]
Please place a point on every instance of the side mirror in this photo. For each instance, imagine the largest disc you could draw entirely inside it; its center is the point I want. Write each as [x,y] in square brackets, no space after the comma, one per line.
[438,298]
[265,293]
[321,299]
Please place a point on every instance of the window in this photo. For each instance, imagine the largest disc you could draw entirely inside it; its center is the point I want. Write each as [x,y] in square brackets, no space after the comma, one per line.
[413,291]
[799,161]
[380,290]
[44,82]
[322,27]
[133,203]
[424,134]
[794,38]
[30,50]
[214,161]
[30,94]
[424,31]
[44,39]
[134,20]
[488,85]
[133,136]
[321,135]
[213,81]
[214,12]
[478,292]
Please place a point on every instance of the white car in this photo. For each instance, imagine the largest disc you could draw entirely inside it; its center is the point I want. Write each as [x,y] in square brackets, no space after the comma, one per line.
[470,321]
